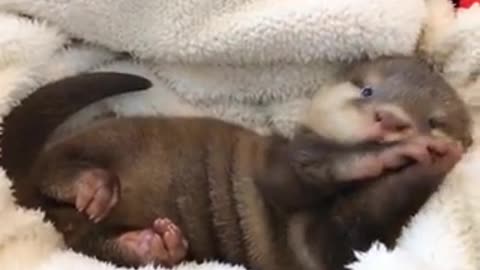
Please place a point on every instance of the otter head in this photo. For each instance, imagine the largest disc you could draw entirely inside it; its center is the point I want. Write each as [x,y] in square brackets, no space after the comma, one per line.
[389,100]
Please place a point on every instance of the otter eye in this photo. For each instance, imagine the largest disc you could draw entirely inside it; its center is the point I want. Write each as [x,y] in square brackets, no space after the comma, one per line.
[435,123]
[367,91]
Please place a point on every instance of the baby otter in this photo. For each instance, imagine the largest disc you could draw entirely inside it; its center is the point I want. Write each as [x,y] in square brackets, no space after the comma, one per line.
[371,151]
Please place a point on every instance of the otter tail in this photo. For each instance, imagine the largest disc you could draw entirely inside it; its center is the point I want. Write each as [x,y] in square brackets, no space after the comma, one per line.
[28,126]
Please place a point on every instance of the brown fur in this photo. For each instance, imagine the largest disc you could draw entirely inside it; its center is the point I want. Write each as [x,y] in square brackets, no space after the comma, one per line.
[266,202]
[49,106]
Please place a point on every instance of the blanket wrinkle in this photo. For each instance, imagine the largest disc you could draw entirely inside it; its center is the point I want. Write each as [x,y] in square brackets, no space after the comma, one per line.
[252,62]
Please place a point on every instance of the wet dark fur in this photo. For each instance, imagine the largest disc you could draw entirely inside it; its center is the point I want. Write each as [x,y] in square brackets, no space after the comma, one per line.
[261,201]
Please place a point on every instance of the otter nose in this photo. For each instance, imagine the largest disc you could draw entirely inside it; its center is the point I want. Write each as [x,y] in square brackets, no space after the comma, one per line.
[391,122]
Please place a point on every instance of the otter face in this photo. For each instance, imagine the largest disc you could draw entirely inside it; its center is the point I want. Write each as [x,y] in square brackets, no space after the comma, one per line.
[389,100]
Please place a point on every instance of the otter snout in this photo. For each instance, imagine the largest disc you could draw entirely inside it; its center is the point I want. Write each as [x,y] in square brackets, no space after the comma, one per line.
[391,121]
[392,124]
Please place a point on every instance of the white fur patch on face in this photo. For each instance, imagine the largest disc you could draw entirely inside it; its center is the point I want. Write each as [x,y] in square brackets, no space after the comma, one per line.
[333,115]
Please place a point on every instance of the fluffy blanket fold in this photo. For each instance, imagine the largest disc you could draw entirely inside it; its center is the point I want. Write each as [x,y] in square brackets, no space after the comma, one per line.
[253,62]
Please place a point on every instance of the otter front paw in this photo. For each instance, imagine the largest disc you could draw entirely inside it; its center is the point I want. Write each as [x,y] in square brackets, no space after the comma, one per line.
[369,165]
[438,154]
[434,157]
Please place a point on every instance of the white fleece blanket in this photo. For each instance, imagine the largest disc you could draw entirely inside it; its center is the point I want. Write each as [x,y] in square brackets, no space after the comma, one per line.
[253,62]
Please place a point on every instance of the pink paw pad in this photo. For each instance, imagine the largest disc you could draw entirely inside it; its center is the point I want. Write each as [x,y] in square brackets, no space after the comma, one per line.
[97,192]
[163,244]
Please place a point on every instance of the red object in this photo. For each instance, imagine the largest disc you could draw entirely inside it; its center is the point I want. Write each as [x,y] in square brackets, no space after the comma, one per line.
[467,3]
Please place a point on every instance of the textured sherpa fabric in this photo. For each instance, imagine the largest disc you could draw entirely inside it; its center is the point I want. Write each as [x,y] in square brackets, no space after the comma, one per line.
[227,31]
[253,62]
